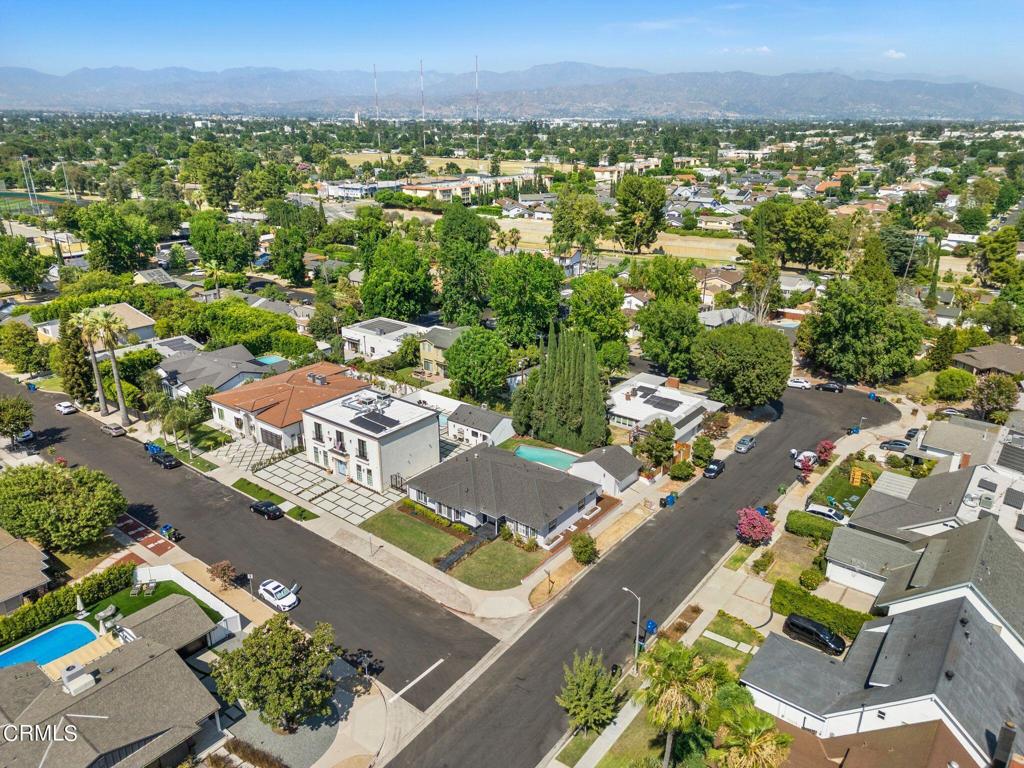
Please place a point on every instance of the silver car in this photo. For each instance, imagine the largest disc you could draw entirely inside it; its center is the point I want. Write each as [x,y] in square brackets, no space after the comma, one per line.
[745,443]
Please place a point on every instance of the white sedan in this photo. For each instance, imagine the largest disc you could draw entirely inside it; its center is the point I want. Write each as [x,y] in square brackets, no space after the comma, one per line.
[278,595]
[66,407]
[798,383]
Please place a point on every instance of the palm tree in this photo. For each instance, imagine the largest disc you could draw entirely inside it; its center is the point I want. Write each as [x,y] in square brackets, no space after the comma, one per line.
[215,270]
[748,738]
[681,691]
[158,402]
[512,237]
[183,415]
[81,324]
[109,326]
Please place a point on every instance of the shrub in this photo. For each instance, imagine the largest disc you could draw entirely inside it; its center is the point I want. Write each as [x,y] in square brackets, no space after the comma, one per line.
[682,470]
[61,602]
[953,384]
[801,523]
[506,533]
[788,598]
[461,528]
[895,461]
[703,451]
[584,548]
[811,578]
[752,527]
[248,753]
[764,562]
[715,425]
[223,572]
[530,544]
[825,450]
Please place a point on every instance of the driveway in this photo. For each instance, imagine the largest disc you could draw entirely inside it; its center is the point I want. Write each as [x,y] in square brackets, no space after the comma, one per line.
[508,716]
[406,633]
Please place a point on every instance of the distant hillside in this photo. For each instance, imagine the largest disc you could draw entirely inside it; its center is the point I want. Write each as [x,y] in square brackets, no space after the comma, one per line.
[551,90]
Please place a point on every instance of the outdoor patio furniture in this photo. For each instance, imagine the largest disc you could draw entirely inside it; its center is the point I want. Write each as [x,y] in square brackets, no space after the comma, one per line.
[107,612]
[136,588]
[150,588]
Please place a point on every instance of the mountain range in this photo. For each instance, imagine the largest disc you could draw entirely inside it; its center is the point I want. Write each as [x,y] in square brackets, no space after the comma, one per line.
[565,89]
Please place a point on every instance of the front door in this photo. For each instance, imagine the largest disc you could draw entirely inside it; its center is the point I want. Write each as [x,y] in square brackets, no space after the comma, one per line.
[341,468]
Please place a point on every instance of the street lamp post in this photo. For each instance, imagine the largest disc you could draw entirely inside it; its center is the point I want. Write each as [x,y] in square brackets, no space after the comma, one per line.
[636,642]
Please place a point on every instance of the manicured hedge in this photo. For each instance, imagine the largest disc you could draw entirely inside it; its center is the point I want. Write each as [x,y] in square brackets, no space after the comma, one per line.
[788,598]
[61,602]
[801,523]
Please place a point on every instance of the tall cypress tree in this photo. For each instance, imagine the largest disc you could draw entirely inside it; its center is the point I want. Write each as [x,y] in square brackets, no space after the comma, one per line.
[594,427]
[76,373]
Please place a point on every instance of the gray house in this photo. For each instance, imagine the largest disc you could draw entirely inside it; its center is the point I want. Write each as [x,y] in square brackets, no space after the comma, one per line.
[485,487]
[611,466]
[474,425]
[222,369]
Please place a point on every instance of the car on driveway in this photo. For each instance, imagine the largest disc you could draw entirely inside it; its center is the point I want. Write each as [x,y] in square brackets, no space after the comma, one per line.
[278,595]
[65,407]
[798,383]
[951,412]
[745,443]
[268,509]
[830,386]
[165,460]
[912,433]
[811,456]
[25,437]
[114,430]
[714,468]
[899,446]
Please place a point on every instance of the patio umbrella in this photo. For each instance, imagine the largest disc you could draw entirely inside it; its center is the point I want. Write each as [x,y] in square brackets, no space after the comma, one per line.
[79,605]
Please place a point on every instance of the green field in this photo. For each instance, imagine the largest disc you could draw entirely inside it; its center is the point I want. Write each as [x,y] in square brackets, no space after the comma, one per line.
[498,565]
[414,536]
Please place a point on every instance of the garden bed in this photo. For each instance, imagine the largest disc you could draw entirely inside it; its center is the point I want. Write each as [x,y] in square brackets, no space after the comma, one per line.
[258,492]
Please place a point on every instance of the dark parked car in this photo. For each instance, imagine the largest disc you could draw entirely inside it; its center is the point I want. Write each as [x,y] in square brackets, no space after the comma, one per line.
[714,468]
[165,460]
[811,632]
[268,509]
[899,446]
[912,433]
[830,386]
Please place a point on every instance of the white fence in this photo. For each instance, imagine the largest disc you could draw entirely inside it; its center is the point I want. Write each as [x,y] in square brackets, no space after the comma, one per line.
[229,625]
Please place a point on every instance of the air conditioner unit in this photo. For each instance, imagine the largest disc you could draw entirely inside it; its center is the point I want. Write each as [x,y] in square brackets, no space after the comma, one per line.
[70,672]
[971,500]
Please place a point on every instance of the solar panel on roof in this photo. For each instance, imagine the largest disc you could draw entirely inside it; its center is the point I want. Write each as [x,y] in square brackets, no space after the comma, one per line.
[987,485]
[364,423]
[1014,498]
[379,418]
[645,391]
[663,403]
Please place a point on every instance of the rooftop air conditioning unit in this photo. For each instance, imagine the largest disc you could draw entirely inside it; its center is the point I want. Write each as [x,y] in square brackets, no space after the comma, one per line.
[70,672]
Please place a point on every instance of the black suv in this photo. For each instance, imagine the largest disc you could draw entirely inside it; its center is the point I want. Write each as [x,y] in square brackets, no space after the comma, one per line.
[165,460]
[268,509]
[811,632]
[830,386]
[714,468]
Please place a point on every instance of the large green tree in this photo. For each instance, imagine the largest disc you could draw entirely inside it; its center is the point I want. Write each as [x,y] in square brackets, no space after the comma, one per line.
[658,445]
[996,392]
[588,692]
[578,221]
[117,242]
[215,168]
[465,271]
[21,266]
[596,307]
[478,363]
[666,277]
[15,416]
[669,327]
[398,285]
[76,377]
[639,211]
[281,671]
[19,346]
[61,508]
[524,296]
[459,223]
[873,267]
[747,365]
[995,261]
[286,254]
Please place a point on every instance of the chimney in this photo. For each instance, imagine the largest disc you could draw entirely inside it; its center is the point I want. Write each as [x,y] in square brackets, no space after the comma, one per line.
[1004,745]
[965,460]
[672,382]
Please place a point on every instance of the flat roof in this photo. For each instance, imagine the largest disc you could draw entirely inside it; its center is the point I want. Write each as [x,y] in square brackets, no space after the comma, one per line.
[371,412]
[644,398]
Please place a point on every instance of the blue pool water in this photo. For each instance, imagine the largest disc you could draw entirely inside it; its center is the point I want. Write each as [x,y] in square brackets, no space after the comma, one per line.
[551,457]
[50,645]
[270,359]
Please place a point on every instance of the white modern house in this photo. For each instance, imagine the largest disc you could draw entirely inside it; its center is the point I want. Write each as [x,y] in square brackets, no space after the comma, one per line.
[644,398]
[472,425]
[372,439]
[376,338]
[611,466]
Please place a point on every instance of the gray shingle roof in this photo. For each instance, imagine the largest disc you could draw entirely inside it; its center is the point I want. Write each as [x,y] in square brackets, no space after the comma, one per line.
[500,484]
[867,553]
[217,367]
[22,566]
[482,419]
[174,621]
[901,658]
[442,337]
[1001,357]
[933,499]
[613,459]
[964,436]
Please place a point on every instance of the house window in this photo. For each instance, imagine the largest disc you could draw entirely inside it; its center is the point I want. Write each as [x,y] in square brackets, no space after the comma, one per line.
[361,450]
[220,414]
[339,439]
[238,424]
[552,525]
[318,432]
[474,433]
[369,476]
[359,473]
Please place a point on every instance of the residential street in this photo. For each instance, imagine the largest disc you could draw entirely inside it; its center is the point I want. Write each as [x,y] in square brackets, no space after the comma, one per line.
[508,717]
[406,632]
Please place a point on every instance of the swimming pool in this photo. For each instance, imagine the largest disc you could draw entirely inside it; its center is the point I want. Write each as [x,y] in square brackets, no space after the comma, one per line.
[49,645]
[270,359]
[551,457]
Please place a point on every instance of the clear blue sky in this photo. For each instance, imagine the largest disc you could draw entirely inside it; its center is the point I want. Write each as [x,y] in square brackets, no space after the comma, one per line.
[980,40]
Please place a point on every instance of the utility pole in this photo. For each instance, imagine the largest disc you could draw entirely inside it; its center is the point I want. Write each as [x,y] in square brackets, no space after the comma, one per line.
[67,187]
[30,187]
[376,103]
[423,111]
[476,86]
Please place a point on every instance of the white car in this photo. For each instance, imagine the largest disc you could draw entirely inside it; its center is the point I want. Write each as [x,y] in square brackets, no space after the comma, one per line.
[798,383]
[278,595]
[197,273]
[65,407]
[811,456]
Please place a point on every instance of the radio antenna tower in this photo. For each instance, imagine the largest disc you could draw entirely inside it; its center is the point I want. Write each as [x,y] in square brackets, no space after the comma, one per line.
[30,187]
[476,87]
[423,111]
[67,187]
[376,103]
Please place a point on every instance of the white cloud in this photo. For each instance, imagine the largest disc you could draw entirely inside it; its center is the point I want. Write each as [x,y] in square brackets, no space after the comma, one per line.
[656,25]
[892,53]
[760,50]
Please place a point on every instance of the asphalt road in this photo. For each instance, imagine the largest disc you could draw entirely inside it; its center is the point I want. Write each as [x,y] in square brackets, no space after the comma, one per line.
[406,632]
[508,717]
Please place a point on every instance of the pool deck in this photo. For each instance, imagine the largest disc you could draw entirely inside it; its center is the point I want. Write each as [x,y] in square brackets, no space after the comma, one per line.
[87,654]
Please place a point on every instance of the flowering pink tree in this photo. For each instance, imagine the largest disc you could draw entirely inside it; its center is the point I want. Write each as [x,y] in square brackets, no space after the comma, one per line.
[752,527]
[806,467]
[825,450]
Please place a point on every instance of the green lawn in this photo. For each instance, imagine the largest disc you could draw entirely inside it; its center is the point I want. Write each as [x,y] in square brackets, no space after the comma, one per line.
[733,659]
[514,442]
[127,604]
[837,484]
[50,384]
[735,629]
[577,747]
[414,536]
[206,438]
[198,462]
[638,741]
[81,562]
[258,492]
[739,557]
[298,513]
[917,387]
[498,565]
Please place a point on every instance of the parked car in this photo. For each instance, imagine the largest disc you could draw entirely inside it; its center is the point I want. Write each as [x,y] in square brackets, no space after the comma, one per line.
[831,514]
[899,446]
[830,386]
[25,437]
[714,468]
[912,433]
[165,460]
[114,430]
[65,407]
[813,633]
[798,383]
[268,509]
[745,443]
[278,595]
[197,273]
[951,412]
[811,456]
